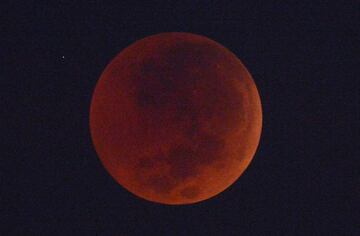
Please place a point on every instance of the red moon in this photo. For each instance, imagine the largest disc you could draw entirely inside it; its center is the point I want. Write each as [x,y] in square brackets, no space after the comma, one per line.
[175,118]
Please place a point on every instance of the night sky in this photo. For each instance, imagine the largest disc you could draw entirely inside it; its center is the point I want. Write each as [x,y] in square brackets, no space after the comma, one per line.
[303,178]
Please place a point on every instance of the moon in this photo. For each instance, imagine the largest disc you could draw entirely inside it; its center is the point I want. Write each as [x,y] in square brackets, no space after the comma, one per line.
[175,118]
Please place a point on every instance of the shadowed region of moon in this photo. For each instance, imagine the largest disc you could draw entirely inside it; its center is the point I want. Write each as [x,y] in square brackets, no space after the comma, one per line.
[175,118]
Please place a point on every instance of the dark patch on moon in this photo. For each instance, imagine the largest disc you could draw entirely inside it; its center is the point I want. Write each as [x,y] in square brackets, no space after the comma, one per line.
[155,86]
[190,192]
[209,148]
[161,184]
[146,163]
[183,162]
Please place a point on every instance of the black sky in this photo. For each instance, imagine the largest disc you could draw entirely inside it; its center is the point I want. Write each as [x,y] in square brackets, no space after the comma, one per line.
[303,179]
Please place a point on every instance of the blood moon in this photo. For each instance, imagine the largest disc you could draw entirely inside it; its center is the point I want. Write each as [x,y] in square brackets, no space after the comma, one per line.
[175,118]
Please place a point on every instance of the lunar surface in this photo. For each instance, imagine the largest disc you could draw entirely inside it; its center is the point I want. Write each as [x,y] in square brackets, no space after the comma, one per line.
[175,118]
